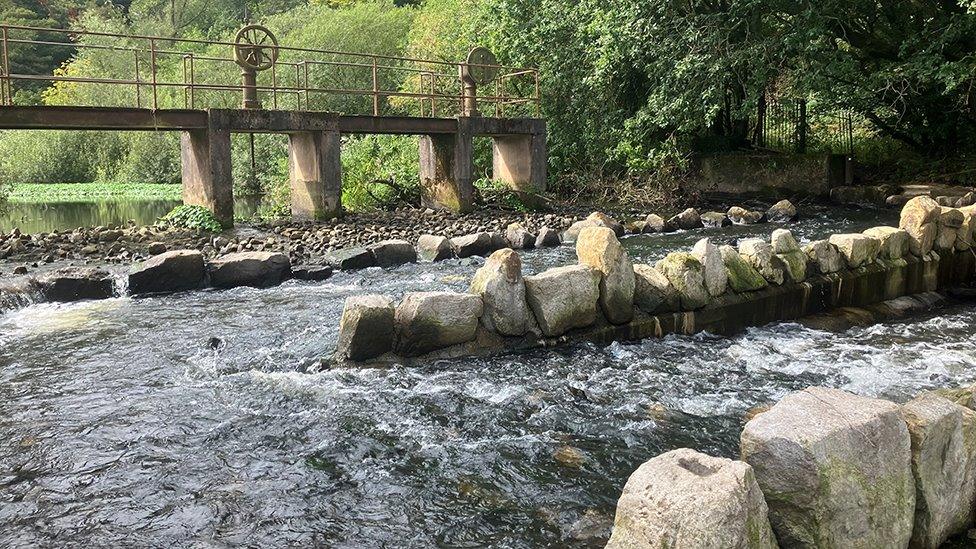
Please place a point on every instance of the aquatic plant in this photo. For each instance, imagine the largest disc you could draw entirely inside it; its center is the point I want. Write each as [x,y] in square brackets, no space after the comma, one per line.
[192,217]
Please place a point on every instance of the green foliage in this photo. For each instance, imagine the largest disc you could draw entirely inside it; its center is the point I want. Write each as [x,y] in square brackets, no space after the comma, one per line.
[380,171]
[48,156]
[75,192]
[192,217]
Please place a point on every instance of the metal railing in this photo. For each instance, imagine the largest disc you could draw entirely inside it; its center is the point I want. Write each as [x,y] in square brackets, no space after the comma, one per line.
[158,72]
[789,125]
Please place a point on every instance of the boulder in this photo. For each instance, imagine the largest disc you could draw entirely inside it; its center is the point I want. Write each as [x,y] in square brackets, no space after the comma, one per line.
[893,243]
[897,200]
[173,271]
[501,287]
[366,327]
[714,220]
[967,199]
[473,244]
[595,219]
[825,257]
[919,217]
[686,275]
[760,254]
[654,223]
[348,259]
[563,298]
[781,212]
[684,499]
[547,238]
[947,201]
[427,321]
[653,292]
[713,268]
[686,220]
[783,242]
[257,269]
[859,250]
[518,237]
[391,253]
[77,283]
[741,216]
[947,229]
[943,436]
[434,248]
[312,273]
[742,276]
[835,469]
[599,248]
[788,251]
[498,241]
[966,235]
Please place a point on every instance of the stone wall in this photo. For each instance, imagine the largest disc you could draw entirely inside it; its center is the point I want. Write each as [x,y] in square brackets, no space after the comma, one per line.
[719,289]
[801,174]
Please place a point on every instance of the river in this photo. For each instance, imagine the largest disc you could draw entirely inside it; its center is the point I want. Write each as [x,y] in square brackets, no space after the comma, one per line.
[193,420]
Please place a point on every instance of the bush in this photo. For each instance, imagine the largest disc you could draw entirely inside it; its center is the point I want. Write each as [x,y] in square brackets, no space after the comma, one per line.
[192,217]
[380,171]
[32,156]
[151,157]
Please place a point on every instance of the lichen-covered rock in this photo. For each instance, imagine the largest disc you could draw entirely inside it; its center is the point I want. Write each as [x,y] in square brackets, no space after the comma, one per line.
[434,248]
[564,298]
[499,283]
[919,217]
[742,276]
[760,254]
[714,220]
[351,258]
[547,238]
[858,249]
[654,223]
[653,292]
[518,237]
[684,499]
[943,436]
[173,271]
[391,253]
[713,268]
[825,257]
[599,248]
[893,242]
[781,212]
[966,234]
[783,242]
[795,264]
[256,269]
[366,327]
[479,244]
[835,469]
[76,283]
[686,275]
[427,321]
[741,216]
[686,220]
[947,229]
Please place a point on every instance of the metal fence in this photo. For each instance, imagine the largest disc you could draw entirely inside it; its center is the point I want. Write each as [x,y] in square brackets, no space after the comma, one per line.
[789,125]
[159,72]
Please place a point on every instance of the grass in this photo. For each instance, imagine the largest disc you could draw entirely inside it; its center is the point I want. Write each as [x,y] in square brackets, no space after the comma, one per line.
[80,192]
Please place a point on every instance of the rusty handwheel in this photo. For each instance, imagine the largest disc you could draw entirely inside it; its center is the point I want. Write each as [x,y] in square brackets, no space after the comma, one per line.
[255,48]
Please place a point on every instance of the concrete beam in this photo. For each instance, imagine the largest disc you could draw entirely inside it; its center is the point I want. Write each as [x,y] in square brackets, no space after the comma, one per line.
[519,161]
[315,171]
[207,179]
[99,118]
[446,170]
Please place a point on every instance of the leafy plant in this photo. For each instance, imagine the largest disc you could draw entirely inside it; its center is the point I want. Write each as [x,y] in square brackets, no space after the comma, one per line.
[192,217]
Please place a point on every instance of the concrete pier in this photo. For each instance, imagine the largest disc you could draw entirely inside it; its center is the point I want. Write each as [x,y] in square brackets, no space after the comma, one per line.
[315,173]
[519,162]
[446,171]
[207,180]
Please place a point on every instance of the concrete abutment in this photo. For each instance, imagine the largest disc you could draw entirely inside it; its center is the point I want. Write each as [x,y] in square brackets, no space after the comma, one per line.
[206,168]
[315,174]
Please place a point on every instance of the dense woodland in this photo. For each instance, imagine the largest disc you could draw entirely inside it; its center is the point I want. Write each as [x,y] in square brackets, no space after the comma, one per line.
[631,88]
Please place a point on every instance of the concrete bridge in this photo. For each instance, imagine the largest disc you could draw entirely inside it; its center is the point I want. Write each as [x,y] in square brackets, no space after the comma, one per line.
[435,100]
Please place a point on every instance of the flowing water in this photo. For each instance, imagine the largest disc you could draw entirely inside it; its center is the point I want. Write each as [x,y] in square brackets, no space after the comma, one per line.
[193,421]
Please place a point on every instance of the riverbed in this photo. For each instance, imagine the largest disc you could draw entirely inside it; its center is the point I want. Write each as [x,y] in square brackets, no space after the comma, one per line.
[200,419]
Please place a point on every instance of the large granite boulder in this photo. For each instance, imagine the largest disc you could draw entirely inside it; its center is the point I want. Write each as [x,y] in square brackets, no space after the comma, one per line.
[427,321]
[788,251]
[893,243]
[548,238]
[564,298]
[741,216]
[654,223]
[686,220]
[256,269]
[77,283]
[686,274]
[434,248]
[835,469]
[920,217]
[967,231]
[366,327]
[595,219]
[947,229]
[599,248]
[348,259]
[742,276]
[714,220]
[653,292]
[760,254]
[713,267]
[479,244]
[173,271]
[781,212]
[824,257]
[943,436]
[391,253]
[499,283]
[518,237]
[684,499]
[858,250]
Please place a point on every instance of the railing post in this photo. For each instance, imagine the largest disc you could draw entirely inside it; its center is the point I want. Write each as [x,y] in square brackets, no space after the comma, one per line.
[6,98]
[274,87]
[152,61]
[135,54]
[376,91]
[538,98]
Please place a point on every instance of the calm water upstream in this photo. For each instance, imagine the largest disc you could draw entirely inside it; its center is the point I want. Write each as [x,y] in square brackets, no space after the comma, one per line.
[189,420]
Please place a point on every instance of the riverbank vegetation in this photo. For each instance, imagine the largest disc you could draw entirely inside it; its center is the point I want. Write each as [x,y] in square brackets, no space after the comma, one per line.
[83,192]
[630,96]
